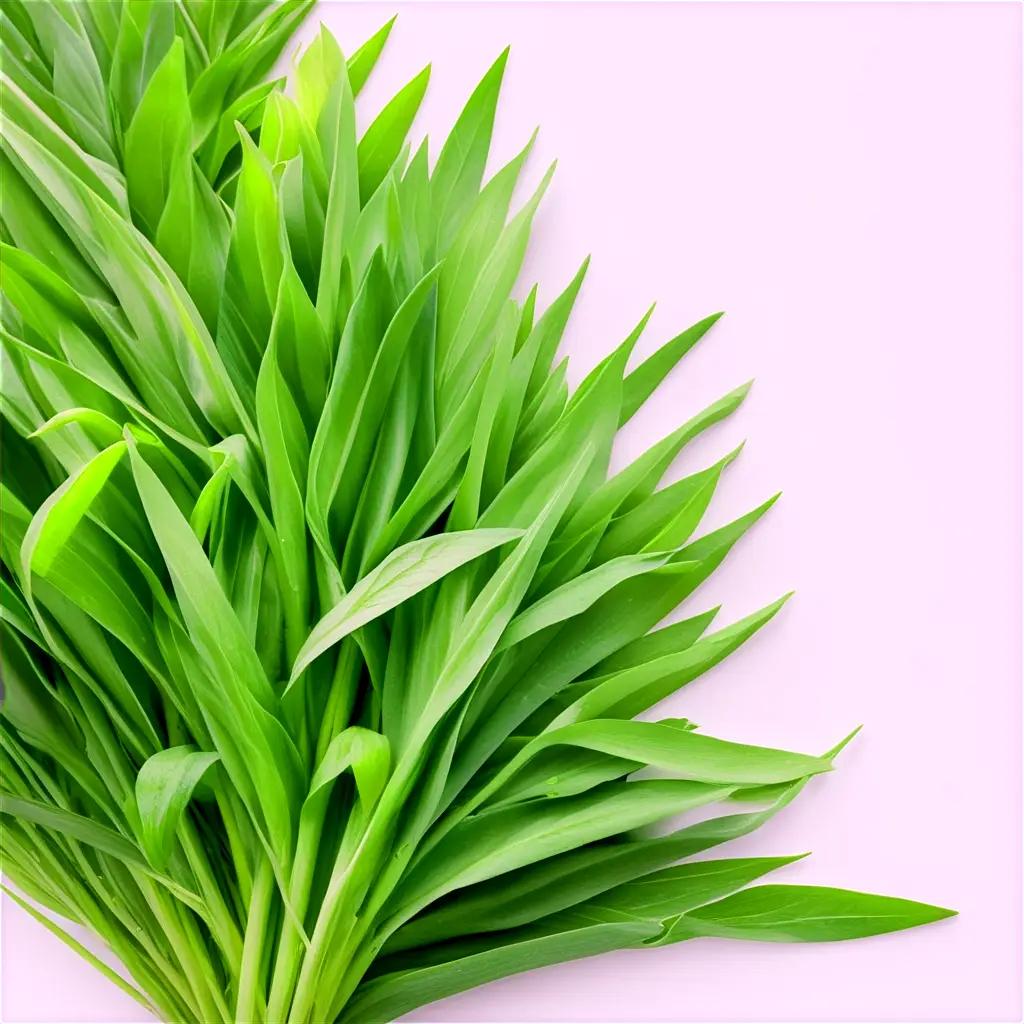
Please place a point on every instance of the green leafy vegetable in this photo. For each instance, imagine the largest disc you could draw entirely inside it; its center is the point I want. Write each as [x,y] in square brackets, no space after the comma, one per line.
[324,627]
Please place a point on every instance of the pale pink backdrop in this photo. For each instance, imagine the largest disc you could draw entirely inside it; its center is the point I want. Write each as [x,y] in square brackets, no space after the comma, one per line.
[844,180]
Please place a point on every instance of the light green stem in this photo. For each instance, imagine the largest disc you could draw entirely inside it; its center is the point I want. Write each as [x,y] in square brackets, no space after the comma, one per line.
[251,1005]
[195,969]
[223,925]
[349,880]
[286,964]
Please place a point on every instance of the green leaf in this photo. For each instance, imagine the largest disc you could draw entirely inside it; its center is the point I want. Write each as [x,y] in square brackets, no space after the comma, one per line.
[29,703]
[286,452]
[74,826]
[158,135]
[579,594]
[247,110]
[205,608]
[163,790]
[380,145]
[669,639]
[363,61]
[256,258]
[460,164]
[98,423]
[466,507]
[337,131]
[629,488]
[145,33]
[667,518]
[404,573]
[392,995]
[244,60]
[462,357]
[642,382]
[435,484]
[539,669]
[676,890]
[316,72]
[637,687]
[471,248]
[78,87]
[193,235]
[355,435]
[57,517]
[500,841]
[365,753]
[154,302]
[535,352]
[538,890]
[690,755]
[494,607]
[19,109]
[803,913]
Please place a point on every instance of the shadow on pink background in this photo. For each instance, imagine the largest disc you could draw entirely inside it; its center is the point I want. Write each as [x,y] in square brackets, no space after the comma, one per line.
[844,180]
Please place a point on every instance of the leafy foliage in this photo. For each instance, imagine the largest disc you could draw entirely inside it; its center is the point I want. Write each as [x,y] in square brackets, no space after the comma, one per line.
[324,628]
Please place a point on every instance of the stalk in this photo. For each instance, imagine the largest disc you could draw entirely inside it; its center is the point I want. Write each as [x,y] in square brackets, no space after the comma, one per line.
[290,946]
[203,1002]
[230,811]
[344,892]
[222,921]
[251,1004]
[352,875]
[336,714]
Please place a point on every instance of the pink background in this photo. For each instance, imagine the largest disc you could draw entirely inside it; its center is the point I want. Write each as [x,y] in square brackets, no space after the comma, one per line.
[844,179]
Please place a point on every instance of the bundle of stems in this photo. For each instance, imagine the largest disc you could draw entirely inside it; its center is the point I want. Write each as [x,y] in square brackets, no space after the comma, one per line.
[325,627]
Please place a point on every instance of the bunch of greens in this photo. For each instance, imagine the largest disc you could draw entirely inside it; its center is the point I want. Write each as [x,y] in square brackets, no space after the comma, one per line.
[324,627]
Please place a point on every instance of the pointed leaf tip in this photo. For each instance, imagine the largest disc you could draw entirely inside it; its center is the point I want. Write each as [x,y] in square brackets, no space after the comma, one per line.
[734,454]
[843,743]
